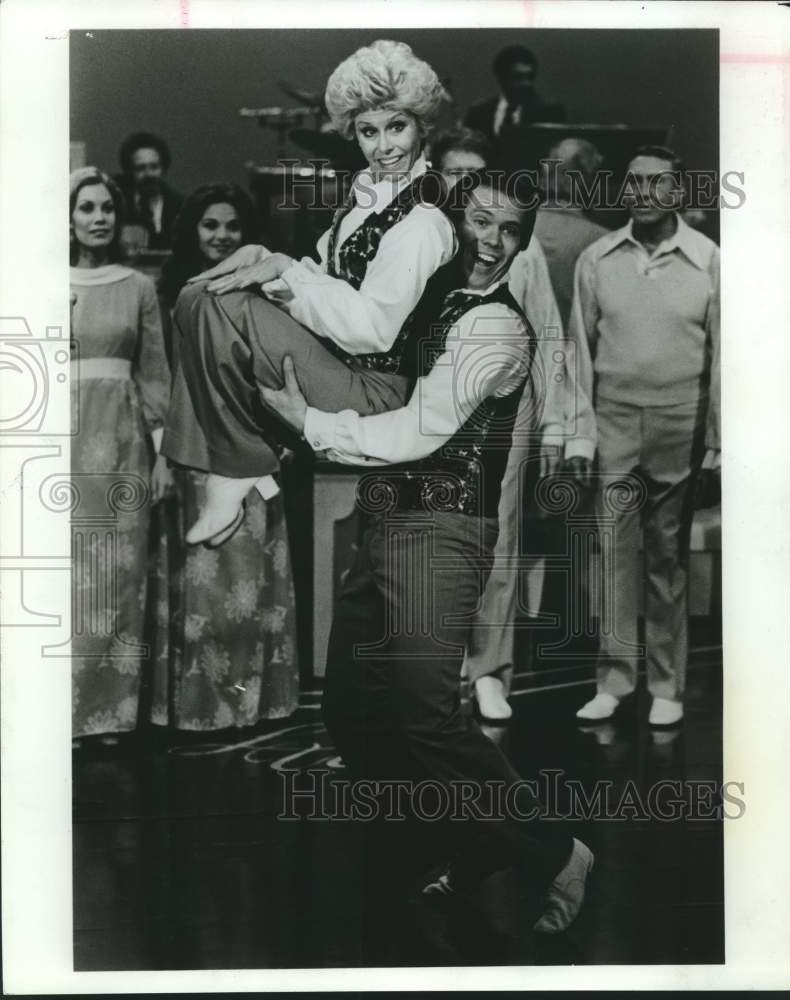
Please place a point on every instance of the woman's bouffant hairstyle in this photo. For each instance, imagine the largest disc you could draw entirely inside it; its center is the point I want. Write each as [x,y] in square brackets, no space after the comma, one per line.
[84,177]
[185,260]
[384,75]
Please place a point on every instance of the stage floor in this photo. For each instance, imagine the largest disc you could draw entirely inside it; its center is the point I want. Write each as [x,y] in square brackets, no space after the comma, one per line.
[181,863]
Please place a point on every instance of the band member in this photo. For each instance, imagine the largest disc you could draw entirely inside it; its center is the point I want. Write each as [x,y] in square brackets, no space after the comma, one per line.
[516,70]
[151,202]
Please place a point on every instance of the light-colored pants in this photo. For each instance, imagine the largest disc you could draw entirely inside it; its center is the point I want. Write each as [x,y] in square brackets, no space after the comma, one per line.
[491,642]
[655,452]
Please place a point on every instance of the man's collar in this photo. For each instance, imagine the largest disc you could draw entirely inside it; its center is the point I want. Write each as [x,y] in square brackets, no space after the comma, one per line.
[682,239]
[489,290]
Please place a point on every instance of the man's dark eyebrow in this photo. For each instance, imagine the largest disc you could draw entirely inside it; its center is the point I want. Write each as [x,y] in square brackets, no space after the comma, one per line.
[656,173]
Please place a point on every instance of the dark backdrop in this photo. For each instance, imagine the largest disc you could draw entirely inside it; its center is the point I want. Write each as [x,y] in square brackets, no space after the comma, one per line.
[188,85]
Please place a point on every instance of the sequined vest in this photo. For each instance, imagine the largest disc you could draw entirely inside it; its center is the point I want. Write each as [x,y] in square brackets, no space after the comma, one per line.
[353,258]
[465,474]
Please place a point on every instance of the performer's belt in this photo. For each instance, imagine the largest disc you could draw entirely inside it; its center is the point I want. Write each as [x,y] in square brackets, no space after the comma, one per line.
[118,368]
[429,492]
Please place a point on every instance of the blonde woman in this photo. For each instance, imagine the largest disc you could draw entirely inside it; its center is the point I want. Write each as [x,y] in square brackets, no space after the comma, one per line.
[345,322]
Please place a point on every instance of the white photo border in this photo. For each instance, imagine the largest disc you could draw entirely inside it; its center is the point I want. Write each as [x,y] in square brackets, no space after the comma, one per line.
[34,549]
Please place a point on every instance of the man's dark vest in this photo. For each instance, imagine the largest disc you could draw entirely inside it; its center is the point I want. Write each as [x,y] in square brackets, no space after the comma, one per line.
[465,474]
[355,255]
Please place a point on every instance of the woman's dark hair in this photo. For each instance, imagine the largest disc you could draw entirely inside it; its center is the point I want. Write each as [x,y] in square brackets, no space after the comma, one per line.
[142,140]
[185,260]
[84,177]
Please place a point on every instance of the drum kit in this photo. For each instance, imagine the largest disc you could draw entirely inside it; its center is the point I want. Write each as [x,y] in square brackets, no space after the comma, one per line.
[322,141]
[296,196]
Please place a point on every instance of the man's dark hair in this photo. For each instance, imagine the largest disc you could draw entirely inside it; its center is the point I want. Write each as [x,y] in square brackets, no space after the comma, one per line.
[460,139]
[505,60]
[676,165]
[142,140]
[519,187]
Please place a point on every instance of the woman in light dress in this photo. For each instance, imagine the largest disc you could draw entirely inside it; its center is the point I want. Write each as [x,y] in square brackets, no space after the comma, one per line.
[120,391]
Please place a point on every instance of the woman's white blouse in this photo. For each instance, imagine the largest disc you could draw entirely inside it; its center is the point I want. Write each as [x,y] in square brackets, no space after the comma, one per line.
[367,320]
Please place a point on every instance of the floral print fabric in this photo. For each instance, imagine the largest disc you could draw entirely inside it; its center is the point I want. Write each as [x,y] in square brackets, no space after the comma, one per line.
[226,625]
[115,320]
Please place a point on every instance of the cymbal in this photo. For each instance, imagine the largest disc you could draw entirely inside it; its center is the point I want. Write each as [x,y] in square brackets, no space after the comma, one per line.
[314,98]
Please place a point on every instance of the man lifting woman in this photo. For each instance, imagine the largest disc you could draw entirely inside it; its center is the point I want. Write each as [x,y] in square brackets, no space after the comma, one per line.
[430,405]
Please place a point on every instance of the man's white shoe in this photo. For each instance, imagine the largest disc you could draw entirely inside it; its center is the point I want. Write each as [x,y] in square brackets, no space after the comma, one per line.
[664,712]
[491,700]
[602,706]
[565,896]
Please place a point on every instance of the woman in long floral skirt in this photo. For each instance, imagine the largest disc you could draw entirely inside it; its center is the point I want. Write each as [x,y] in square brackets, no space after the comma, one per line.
[226,622]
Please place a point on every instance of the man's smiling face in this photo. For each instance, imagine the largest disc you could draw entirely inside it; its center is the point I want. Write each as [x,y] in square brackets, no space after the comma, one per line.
[490,236]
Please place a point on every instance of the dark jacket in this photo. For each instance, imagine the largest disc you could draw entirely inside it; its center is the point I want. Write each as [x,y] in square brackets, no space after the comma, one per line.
[481,116]
[172,202]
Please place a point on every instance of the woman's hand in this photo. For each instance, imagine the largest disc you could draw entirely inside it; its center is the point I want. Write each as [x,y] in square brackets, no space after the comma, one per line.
[243,257]
[288,403]
[161,479]
[268,269]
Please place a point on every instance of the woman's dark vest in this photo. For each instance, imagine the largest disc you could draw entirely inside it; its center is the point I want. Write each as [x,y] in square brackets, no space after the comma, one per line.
[465,474]
[355,255]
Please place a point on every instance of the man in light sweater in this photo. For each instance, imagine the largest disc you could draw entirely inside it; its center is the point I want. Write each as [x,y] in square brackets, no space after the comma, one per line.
[646,305]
